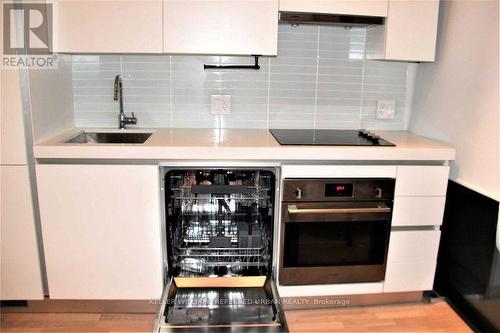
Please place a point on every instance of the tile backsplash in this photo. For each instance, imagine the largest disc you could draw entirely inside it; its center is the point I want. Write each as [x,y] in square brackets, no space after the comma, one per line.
[320,79]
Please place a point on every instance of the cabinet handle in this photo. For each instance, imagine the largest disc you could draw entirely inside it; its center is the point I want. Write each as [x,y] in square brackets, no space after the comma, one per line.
[255,66]
[292,209]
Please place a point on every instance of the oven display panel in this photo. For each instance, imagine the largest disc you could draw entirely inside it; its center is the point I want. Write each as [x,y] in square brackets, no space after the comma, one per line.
[338,190]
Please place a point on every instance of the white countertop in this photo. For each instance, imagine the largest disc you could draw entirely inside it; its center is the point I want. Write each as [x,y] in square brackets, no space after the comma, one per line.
[238,144]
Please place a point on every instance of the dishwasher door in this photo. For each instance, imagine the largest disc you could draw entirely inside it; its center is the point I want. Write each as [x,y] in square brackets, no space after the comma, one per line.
[221,304]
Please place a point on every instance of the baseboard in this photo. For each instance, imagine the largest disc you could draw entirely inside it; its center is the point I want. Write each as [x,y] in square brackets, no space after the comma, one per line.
[89,306]
[319,302]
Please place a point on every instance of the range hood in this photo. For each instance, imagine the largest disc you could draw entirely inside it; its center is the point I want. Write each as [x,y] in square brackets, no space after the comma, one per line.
[329,19]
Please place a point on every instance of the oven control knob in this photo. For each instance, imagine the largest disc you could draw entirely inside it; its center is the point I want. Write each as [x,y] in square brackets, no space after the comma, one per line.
[298,193]
[378,193]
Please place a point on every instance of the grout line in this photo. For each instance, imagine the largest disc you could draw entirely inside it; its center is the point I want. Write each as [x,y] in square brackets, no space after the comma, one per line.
[268,93]
[73,88]
[170,94]
[362,92]
[123,79]
[317,77]
[219,91]
[411,71]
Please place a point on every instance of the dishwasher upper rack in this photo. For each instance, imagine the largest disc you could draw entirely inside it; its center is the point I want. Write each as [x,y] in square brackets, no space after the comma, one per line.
[253,187]
[183,197]
[187,178]
[208,204]
[199,229]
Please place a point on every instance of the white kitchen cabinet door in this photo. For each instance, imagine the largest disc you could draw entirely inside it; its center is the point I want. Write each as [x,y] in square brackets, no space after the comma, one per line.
[108,26]
[411,260]
[101,231]
[422,180]
[339,171]
[12,139]
[226,27]
[409,33]
[414,276]
[418,211]
[341,7]
[20,272]
[407,246]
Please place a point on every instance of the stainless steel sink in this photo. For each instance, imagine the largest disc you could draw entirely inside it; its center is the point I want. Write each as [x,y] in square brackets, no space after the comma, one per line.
[109,137]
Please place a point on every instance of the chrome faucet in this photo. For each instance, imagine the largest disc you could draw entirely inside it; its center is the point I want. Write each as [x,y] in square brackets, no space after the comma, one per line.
[118,94]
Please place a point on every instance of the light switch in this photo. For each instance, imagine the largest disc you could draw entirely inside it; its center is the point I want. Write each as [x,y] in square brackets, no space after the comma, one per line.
[220,104]
[386,109]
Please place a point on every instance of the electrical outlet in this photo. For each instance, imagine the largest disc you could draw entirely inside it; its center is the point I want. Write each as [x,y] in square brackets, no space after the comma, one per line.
[220,104]
[215,104]
[225,104]
[386,109]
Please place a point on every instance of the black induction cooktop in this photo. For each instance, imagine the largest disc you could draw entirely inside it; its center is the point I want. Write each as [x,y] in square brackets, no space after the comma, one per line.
[324,137]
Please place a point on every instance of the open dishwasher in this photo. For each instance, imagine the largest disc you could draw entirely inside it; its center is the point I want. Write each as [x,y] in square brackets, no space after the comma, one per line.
[219,250]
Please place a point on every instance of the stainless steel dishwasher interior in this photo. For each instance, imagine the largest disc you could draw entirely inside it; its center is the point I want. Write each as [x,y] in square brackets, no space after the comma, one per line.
[219,246]
[110,137]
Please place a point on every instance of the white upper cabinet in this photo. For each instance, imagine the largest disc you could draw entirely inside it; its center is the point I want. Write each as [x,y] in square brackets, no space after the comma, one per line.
[230,27]
[108,26]
[12,140]
[342,7]
[409,33]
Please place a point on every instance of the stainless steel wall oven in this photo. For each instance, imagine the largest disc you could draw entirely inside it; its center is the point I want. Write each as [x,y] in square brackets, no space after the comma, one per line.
[335,230]
[219,228]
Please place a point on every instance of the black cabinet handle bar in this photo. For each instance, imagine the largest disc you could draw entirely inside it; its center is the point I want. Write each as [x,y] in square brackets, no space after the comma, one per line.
[254,66]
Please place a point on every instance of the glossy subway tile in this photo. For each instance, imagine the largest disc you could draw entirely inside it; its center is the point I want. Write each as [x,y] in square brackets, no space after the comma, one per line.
[320,79]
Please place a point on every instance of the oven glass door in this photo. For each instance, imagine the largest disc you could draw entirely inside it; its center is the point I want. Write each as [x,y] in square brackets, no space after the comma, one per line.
[334,242]
[311,244]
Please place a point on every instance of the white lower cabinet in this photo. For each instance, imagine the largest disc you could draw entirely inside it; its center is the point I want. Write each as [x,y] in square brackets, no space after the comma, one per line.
[101,230]
[410,276]
[421,180]
[411,260]
[20,273]
[419,202]
[418,211]
[413,246]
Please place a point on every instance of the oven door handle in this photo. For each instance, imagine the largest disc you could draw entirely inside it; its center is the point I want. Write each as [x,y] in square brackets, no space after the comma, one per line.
[292,209]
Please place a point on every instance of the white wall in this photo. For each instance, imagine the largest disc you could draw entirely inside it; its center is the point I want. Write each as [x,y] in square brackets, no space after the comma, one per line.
[456,98]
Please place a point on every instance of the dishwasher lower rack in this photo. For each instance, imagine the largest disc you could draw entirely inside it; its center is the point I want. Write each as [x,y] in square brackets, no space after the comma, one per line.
[221,304]
[209,261]
[208,248]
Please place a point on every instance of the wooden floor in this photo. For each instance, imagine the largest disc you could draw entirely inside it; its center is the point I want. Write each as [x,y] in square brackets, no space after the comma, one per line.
[437,317]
